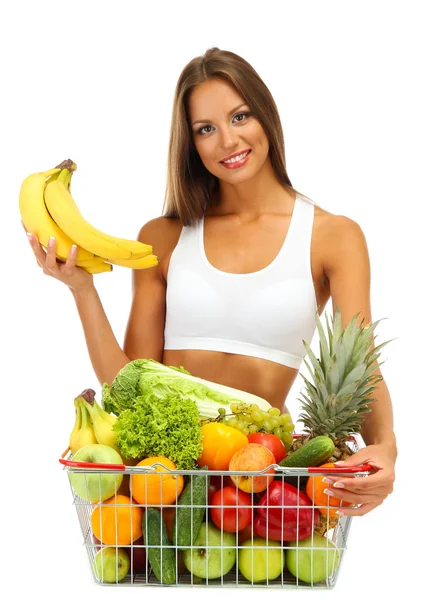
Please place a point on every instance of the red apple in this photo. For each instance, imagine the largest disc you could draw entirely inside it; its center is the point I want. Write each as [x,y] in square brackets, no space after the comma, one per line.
[137,555]
[253,457]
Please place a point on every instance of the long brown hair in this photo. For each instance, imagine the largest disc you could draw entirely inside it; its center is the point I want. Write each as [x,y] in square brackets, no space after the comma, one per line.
[190,186]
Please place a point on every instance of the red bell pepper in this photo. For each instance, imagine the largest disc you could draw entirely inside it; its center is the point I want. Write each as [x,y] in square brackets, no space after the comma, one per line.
[285,513]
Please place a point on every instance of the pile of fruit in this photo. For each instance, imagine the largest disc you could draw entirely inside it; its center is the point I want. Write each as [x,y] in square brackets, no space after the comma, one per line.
[229,507]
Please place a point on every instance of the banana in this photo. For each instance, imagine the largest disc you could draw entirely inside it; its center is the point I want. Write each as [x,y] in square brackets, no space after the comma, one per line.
[37,219]
[98,268]
[73,438]
[65,212]
[85,434]
[102,421]
[136,263]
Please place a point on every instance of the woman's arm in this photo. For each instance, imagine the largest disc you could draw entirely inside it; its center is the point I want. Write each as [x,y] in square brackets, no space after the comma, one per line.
[106,355]
[347,267]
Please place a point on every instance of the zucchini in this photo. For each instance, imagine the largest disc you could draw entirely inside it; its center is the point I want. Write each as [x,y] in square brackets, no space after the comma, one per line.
[313,453]
[160,552]
[190,510]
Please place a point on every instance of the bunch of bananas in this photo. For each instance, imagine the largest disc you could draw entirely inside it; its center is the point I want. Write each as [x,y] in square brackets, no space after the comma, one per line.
[92,425]
[48,210]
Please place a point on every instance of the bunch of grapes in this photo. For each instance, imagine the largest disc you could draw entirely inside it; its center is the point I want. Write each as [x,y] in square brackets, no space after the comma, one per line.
[250,418]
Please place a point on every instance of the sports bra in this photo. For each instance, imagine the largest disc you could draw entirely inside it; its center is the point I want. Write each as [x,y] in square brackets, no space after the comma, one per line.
[266,314]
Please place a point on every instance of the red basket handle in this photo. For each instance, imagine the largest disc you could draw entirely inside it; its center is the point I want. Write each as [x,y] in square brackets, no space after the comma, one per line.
[86,465]
[339,470]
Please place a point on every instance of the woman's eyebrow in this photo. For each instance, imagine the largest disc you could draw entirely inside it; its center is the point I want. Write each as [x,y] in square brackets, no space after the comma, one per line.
[231,111]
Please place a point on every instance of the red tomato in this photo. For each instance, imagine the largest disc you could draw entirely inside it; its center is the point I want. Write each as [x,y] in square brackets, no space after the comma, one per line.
[270,441]
[231,519]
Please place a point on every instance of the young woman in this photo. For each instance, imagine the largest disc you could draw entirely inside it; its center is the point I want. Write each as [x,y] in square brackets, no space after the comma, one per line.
[245,262]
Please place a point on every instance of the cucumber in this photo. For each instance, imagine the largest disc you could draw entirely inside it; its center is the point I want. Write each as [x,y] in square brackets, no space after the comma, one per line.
[313,453]
[190,511]
[161,556]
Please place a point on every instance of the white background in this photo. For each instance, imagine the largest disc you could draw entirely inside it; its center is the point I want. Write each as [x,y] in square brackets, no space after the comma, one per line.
[94,81]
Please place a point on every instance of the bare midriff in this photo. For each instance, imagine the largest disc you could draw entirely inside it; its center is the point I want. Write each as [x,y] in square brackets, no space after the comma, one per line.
[264,378]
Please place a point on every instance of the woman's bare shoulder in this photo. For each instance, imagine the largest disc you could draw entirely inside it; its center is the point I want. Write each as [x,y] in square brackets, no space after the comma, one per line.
[162,233]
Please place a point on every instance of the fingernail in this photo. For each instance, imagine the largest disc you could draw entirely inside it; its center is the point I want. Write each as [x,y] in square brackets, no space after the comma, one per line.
[339,463]
[340,513]
[73,249]
[29,236]
[51,241]
[329,492]
[338,484]
[327,480]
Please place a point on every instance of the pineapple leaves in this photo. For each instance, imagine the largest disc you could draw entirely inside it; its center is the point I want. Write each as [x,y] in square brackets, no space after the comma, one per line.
[342,379]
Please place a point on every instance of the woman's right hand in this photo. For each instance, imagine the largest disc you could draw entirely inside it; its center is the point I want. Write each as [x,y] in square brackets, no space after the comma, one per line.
[76,278]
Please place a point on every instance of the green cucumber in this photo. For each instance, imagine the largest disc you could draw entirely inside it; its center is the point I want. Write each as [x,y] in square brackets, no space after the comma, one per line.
[191,508]
[160,552]
[313,453]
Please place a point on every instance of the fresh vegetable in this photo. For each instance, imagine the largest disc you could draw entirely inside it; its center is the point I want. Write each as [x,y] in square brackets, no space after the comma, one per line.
[160,552]
[167,427]
[219,444]
[149,377]
[231,509]
[270,441]
[315,487]
[191,508]
[313,453]
[284,513]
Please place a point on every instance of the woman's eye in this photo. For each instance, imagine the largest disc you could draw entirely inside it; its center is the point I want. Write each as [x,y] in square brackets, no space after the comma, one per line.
[201,130]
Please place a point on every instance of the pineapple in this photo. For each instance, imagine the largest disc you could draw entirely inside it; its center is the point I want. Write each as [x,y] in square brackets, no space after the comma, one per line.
[341,387]
[342,378]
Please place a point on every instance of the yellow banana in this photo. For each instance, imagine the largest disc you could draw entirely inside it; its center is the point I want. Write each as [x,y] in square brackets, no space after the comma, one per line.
[98,268]
[65,212]
[73,438]
[37,219]
[85,434]
[136,263]
[102,423]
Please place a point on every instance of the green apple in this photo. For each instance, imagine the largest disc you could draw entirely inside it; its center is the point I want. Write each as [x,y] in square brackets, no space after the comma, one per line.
[96,487]
[315,564]
[213,553]
[260,560]
[111,564]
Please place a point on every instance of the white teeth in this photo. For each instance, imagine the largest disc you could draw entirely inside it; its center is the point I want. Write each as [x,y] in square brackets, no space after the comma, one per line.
[236,159]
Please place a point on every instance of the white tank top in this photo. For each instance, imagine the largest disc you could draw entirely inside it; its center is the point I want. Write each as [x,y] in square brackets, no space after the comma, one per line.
[266,314]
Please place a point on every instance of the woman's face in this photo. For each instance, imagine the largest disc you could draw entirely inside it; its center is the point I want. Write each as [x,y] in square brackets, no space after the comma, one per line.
[221,126]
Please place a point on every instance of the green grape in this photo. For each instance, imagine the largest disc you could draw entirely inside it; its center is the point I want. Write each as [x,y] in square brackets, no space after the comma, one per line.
[289,427]
[267,426]
[274,412]
[232,422]
[253,428]
[285,418]
[274,422]
[277,431]
[256,416]
[286,437]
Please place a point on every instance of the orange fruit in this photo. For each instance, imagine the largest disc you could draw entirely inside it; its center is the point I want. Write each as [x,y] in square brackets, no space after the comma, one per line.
[315,487]
[117,525]
[158,486]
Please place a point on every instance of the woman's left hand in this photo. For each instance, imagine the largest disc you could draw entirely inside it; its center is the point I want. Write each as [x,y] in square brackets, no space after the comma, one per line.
[370,491]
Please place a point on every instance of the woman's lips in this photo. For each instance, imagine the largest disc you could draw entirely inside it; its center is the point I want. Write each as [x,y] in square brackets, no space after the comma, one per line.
[237,164]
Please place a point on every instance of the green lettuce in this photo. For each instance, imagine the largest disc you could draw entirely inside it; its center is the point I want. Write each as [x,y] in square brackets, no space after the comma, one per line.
[167,427]
[143,377]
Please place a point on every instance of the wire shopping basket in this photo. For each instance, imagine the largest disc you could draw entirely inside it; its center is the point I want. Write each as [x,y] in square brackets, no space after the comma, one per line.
[154,526]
